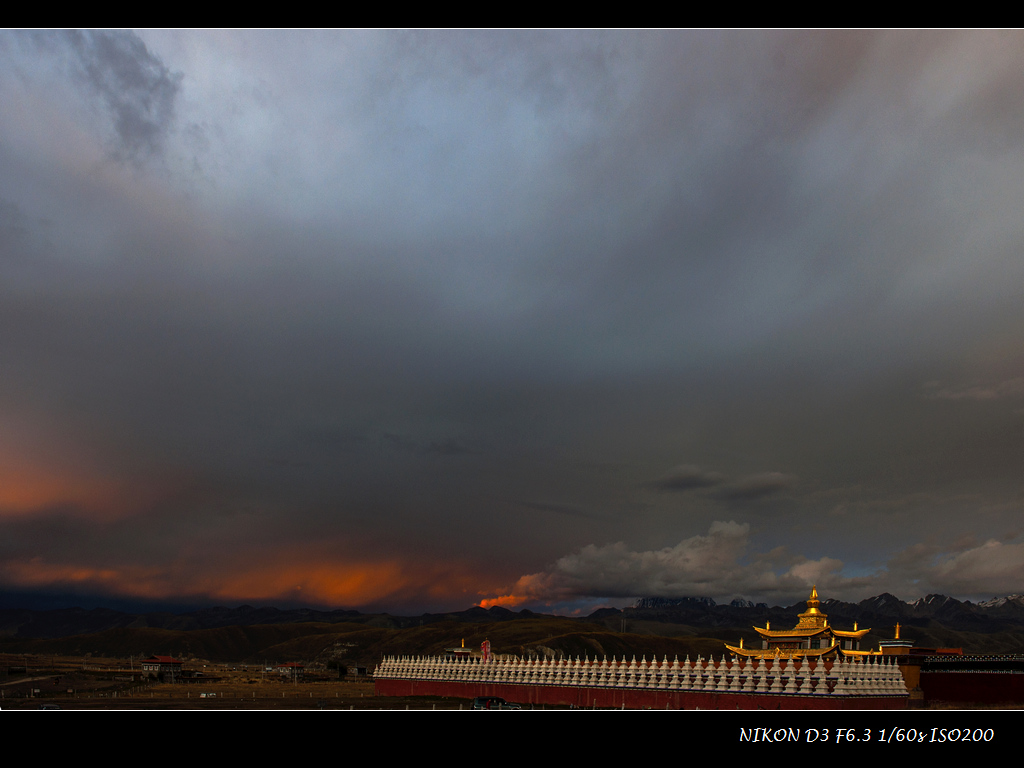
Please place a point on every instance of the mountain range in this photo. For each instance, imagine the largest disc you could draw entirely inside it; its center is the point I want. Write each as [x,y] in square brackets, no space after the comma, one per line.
[1000,614]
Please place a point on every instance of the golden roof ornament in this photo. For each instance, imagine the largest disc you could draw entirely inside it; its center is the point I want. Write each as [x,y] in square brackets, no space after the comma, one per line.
[813,617]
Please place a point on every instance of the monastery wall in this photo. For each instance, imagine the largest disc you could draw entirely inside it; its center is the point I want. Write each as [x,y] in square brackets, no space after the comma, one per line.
[703,684]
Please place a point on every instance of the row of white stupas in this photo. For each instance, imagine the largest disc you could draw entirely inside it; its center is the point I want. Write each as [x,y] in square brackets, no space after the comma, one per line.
[872,676]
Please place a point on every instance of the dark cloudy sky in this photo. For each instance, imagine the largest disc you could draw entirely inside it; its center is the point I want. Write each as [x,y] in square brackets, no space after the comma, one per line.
[420,320]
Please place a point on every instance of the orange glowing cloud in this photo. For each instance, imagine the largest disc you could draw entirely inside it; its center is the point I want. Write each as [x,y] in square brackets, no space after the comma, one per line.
[29,485]
[504,601]
[44,467]
[330,583]
[334,581]
[291,578]
[38,573]
[26,489]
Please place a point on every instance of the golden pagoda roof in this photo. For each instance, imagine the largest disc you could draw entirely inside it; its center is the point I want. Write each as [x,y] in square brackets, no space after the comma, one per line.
[853,634]
[796,632]
[783,653]
[812,623]
[796,653]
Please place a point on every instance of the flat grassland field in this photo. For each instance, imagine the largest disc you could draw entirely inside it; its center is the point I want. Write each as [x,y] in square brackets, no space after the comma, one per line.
[102,683]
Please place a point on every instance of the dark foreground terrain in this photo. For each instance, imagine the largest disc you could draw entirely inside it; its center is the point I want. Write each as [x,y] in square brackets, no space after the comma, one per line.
[86,683]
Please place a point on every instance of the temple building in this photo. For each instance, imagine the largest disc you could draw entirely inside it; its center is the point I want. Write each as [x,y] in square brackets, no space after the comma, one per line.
[811,637]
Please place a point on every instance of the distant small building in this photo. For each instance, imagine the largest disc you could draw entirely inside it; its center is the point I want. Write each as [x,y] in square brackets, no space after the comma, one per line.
[167,666]
[292,669]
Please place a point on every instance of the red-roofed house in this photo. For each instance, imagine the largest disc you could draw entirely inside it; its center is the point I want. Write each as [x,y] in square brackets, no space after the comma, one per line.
[292,669]
[168,666]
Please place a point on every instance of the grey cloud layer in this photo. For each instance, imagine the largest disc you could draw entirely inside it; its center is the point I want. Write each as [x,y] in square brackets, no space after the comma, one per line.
[134,84]
[472,293]
[722,563]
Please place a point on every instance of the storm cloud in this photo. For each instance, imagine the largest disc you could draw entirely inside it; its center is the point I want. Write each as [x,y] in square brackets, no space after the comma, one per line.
[415,320]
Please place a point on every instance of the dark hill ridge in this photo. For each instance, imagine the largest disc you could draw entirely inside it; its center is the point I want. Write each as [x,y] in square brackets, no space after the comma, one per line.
[67,622]
[328,646]
[691,615]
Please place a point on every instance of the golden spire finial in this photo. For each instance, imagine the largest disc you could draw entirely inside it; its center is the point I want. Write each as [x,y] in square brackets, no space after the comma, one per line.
[897,630]
[812,617]
[813,602]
